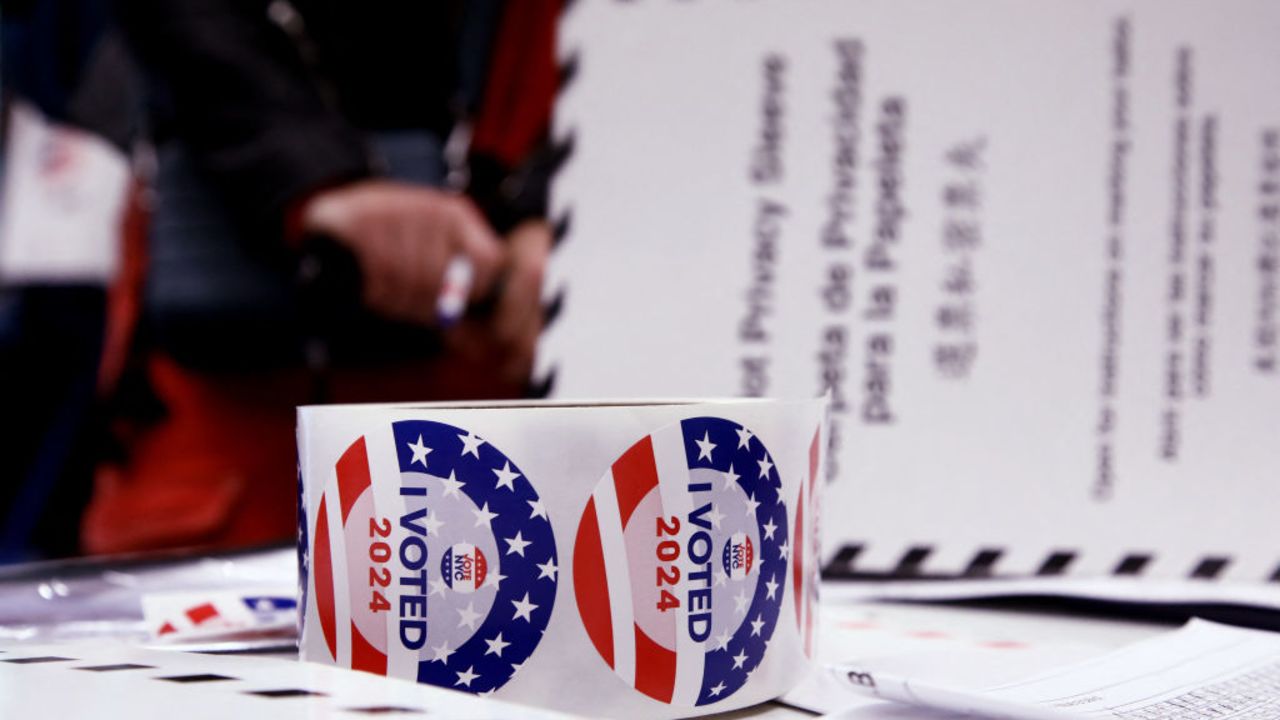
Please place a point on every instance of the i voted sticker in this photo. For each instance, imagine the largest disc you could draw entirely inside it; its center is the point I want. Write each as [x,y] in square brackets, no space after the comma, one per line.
[681,561]
[458,575]
[806,547]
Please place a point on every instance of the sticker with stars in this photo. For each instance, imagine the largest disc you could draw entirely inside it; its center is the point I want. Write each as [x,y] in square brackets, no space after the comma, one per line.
[489,592]
[459,578]
[681,558]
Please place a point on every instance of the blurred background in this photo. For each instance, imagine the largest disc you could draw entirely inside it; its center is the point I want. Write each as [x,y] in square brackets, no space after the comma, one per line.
[212,211]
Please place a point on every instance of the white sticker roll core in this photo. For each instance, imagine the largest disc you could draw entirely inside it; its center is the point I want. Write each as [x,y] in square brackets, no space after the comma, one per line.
[608,559]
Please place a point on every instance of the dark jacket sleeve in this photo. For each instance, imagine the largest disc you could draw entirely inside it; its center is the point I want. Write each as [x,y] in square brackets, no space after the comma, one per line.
[245,102]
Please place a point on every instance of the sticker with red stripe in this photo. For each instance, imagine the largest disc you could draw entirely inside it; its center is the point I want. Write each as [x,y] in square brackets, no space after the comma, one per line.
[682,559]
[322,571]
[590,585]
[455,573]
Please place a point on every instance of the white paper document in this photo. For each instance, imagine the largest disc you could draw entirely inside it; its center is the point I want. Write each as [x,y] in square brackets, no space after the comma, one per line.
[1134,592]
[63,199]
[1205,670]
[948,646]
[1031,249]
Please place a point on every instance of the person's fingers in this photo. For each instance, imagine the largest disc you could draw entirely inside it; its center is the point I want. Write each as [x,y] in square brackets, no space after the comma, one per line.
[519,363]
[384,284]
[405,258]
[327,214]
[396,256]
[425,261]
[404,239]
[472,235]
[519,310]
[517,322]
[365,241]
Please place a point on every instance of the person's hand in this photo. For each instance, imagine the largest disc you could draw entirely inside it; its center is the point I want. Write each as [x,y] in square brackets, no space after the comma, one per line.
[403,236]
[506,340]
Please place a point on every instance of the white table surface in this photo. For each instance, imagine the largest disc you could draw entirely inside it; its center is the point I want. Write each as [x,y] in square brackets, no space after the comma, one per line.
[848,631]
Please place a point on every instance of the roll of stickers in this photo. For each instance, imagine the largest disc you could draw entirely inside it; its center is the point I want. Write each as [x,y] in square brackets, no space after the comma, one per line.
[615,559]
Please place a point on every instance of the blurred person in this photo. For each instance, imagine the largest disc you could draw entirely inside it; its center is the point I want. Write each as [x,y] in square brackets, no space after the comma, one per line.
[301,233]
[70,113]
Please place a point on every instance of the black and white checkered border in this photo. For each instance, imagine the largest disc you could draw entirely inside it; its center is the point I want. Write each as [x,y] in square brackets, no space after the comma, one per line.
[543,384]
[985,562]
[243,686]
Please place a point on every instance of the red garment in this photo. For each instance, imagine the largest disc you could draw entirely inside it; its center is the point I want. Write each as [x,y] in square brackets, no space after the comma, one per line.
[516,110]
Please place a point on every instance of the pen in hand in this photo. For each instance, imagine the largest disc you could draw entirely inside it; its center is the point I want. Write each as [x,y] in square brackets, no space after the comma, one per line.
[456,286]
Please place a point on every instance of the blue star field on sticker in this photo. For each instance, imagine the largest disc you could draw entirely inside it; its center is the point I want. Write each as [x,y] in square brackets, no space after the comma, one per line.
[742,460]
[492,566]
